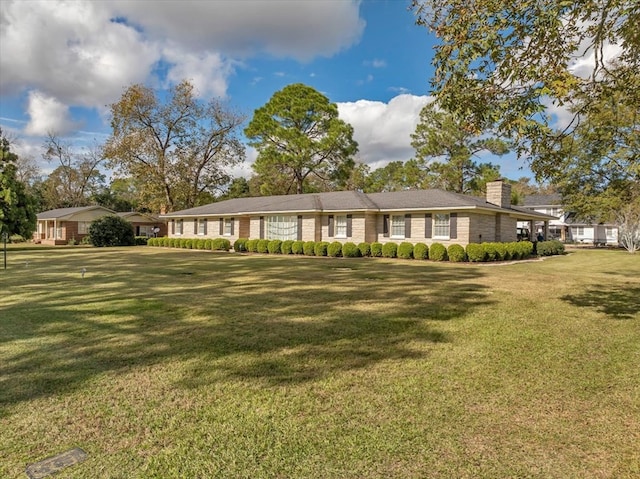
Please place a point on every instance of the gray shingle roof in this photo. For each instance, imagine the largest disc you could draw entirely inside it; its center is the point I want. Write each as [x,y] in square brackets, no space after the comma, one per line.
[345,201]
[554,199]
[66,212]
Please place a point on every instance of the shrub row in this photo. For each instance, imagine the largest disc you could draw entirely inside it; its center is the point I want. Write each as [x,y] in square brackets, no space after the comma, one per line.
[217,244]
[474,252]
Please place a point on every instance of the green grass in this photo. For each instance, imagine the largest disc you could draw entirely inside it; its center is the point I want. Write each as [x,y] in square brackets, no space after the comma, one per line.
[172,363]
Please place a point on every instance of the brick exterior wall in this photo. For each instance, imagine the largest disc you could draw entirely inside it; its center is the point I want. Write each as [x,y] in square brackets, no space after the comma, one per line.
[499,193]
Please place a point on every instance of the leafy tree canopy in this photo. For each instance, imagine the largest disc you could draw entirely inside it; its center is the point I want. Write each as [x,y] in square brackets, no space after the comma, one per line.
[300,141]
[178,151]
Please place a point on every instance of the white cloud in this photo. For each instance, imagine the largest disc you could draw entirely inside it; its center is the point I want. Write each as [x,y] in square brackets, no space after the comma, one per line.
[47,115]
[383,130]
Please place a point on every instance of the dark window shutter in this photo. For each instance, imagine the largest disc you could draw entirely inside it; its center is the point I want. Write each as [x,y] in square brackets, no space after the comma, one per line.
[173,227]
[233,223]
[349,226]
[195,226]
[262,227]
[330,233]
[205,226]
[385,226]
[407,226]
[221,228]
[453,226]
[428,225]
[299,232]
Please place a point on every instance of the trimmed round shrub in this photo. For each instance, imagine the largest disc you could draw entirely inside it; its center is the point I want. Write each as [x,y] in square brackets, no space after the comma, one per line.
[558,247]
[405,250]
[297,247]
[111,230]
[335,249]
[321,247]
[476,253]
[252,245]
[365,249]
[240,245]
[350,250]
[420,251]
[309,248]
[152,242]
[437,252]
[389,250]
[285,247]
[376,250]
[188,244]
[208,244]
[167,242]
[220,244]
[513,250]
[201,244]
[263,246]
[456,253]
[182,243]
[274,246]
[490,251]
[501,249]
[526,249]
[142,240]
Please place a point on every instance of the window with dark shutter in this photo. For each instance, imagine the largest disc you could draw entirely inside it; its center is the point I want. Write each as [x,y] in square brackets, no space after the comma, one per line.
[453,226]
[261,227]
[173,227]
[232,226]
[428,225]
[205,226]
[299,232]
[330,233]
[195,226]
[349,226]
[385,226]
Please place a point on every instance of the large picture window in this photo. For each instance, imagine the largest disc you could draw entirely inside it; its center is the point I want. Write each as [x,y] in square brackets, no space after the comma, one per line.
[441,226]
[281,227]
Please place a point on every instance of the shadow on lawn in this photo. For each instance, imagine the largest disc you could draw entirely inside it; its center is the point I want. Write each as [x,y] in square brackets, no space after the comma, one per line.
[619,302]
[273,319]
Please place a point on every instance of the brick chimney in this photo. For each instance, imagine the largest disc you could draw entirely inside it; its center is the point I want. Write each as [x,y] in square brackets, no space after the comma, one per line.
[499,193]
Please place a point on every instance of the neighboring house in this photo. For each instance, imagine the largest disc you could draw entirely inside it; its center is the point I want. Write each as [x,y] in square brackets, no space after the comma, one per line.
[145,224]
[59,226]
[62,225]
[412,215]
[566,227]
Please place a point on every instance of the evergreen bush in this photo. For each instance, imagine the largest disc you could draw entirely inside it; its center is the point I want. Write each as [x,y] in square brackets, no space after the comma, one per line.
[220,244]
[437,252]
[490,251]
[309,248]
[389,250]
[350,250]
[405,250]
[335,249]
[476,253]
[297,247]
[321,248]
[252,245]
[501,250]
[376,249]
[526,249]
[111,230]
[365,249]
[240,245]
[208,244]
[274,246]
[263,246]
[456,253]
[286,246]
[421,251]
[513,250]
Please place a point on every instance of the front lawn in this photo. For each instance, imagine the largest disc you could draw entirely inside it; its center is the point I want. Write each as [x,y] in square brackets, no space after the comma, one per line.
[174,363]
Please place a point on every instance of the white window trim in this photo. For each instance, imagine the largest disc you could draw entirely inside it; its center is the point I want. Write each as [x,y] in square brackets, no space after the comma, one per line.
[228,225]
[340,222]
[179,228]
[201,226]
[434,227]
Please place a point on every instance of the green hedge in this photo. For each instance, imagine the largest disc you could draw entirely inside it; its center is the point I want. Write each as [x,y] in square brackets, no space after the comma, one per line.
[320,249]
[476,253]
[286,246]
[274,246]
[456,253]
[390,250]
[142,240]
[549,248]
[420,251]
[263,246]
[437,252]
[240,245]
[309,248]
[376,250]
[365,249]
[405,250]
[297,247]
[252,245]
[335,249]
[490,251]
[350,250]
[220,244]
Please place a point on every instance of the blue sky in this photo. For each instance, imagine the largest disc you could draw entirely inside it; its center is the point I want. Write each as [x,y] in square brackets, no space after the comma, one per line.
[63,63]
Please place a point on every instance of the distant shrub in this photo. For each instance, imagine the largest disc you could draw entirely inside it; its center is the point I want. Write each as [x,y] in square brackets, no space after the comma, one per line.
[476,253]
[456,253]
[558,246]
[201,243]
[141,240]
[376,249]
[166,242]
[550,248]
[208,244]
[320,249]
[365,249]
[240,245]
[263,246]
[71,242]
[490,251]
[437,252]
[405,250]
[297,247]
[390,250]
[111,230]
[252,245]
[513,250]
[526,249]
[182,243]
[501,250]
[420,251]
[274,246]
[189,243]
[85,240]
[350,250]
[286,246]
[220,244]
[16,238]
[335,249]
[309,248]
